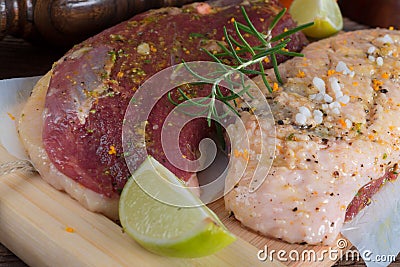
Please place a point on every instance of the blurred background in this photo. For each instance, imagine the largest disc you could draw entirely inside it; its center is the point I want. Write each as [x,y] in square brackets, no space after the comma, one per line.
[35,33]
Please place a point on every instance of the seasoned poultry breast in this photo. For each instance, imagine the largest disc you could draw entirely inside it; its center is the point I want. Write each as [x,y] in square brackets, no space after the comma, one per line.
[337,128]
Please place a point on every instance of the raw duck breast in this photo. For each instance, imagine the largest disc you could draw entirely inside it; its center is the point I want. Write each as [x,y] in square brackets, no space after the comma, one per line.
[72,124]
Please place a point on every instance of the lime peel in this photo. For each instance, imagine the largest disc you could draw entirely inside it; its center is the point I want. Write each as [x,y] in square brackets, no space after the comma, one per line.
[165,229]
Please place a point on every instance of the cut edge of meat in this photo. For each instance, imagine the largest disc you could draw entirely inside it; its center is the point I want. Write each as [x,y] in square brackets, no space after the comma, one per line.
[30,128]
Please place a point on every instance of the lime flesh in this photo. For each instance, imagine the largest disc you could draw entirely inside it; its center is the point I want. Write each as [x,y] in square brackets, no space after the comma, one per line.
[325,14]
[188,230]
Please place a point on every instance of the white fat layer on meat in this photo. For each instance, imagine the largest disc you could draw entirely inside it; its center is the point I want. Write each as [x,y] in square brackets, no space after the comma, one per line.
[30,129]
[319,167]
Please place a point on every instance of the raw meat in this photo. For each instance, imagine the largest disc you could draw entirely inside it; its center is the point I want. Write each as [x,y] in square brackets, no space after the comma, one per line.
[91,86]
[337,129]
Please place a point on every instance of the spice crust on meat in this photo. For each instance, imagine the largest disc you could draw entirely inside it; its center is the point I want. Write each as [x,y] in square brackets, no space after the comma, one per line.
[91,86]
[337,129]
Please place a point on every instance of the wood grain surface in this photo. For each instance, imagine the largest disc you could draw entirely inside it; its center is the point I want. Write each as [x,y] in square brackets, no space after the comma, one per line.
[46,227]
[21,59]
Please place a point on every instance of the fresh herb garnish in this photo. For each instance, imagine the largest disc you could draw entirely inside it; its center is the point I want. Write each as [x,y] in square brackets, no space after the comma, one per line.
[267,49]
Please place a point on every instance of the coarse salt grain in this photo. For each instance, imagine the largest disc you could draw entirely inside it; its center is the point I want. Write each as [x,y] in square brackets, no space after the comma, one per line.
[371,49]
[305,111]
[317,113]
[336,111]
[301,119]
[319,84]
[379,61]
[318,116]
[338,94]
[335,84]
[348,123]
[328,98]
[342,67]
[371,58]
[334,105]
[385,39]
[318,119]
[344,99]
[317,97]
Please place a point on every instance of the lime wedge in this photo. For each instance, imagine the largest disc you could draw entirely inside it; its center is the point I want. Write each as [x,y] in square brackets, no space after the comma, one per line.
[188,230]
[325,14]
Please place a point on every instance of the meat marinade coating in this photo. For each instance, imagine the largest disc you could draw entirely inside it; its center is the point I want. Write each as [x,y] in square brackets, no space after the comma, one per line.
[337,130]
[92,84]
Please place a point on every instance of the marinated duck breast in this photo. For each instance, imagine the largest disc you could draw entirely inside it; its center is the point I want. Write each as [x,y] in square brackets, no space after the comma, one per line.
[337,129]
[81,103]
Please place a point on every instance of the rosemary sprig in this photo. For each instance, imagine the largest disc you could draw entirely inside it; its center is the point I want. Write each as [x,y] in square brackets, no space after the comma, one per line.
[240,50]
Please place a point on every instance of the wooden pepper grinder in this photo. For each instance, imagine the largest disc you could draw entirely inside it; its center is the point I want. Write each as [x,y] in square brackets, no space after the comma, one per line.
[65,22]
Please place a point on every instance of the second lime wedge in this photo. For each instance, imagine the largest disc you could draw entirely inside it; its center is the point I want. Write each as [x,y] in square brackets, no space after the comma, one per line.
[325,14]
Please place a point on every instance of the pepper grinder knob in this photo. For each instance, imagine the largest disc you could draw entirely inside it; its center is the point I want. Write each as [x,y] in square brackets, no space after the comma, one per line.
[16,18]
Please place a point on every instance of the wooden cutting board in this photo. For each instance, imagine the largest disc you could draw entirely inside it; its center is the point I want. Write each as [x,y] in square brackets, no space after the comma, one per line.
[33,216]
[45,227]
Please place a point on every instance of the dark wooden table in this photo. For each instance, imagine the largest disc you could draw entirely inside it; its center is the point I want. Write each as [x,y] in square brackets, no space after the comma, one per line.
[21,59]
